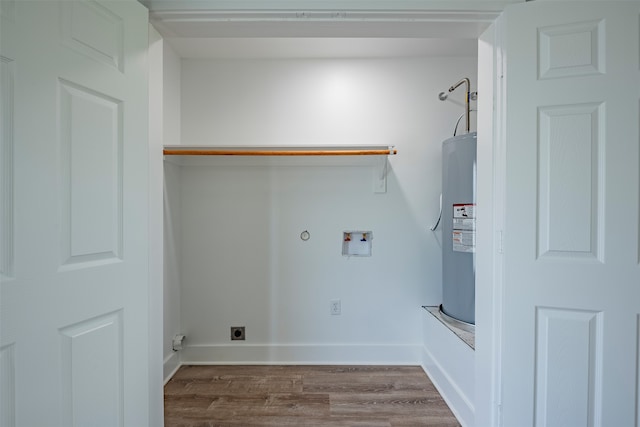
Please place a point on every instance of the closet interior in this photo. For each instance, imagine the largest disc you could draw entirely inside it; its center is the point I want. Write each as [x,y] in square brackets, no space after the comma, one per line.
[279,153]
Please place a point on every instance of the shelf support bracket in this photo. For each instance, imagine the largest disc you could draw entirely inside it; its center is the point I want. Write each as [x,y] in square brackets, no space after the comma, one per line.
[380,171]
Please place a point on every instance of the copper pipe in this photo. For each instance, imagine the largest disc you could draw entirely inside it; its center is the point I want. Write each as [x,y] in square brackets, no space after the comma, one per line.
[442,96]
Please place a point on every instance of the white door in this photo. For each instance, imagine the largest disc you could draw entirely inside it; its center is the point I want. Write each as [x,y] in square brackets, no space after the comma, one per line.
[571,311]
[74,337]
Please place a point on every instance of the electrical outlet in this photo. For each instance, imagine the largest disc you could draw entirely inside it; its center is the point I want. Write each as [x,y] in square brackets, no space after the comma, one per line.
[335,307]
[237,333]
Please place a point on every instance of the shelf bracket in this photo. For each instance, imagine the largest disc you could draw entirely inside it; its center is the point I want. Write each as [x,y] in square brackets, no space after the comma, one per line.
[380,171]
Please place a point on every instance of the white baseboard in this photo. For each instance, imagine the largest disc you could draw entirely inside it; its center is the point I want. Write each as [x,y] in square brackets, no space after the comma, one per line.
[450,364]
[307,354]
[171,365]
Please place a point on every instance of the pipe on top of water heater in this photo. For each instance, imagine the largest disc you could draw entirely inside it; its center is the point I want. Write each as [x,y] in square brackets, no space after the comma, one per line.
[443,95]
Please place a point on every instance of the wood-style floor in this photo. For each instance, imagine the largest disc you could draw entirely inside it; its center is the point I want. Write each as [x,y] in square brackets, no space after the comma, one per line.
[322,396]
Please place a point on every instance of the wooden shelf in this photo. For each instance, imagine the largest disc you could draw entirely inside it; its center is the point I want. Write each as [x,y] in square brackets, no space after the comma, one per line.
[206,150]
[374,156]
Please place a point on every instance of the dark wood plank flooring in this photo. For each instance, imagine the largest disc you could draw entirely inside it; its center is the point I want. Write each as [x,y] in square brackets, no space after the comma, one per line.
[248,396]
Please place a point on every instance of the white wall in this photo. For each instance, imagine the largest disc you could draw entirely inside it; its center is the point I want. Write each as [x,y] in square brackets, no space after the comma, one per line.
[171,135]
[242,262]
[156,280]
[171,95]
[267,102]
[172,290]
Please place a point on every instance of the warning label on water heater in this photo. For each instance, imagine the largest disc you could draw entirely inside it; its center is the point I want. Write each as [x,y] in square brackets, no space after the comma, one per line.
[464,227]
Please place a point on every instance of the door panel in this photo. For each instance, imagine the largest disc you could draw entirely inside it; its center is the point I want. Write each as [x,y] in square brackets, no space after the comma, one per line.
[570,199]
[571,241]
[571,49]
[568,357]
[74,338]
[92,354]
[91,163]
[7,385]
[95,31]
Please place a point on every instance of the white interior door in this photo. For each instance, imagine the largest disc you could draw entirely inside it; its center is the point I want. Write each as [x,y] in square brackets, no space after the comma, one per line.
[74,337]
[572,263]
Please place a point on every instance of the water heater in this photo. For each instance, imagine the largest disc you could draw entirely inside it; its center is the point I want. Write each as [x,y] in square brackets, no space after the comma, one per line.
[459,227]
